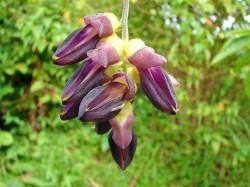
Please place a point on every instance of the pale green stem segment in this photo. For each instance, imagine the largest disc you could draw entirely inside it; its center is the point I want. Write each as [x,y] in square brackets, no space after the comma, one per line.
[124,20]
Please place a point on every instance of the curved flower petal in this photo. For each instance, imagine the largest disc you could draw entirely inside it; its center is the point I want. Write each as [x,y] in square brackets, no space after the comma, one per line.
[131,87]
[104,102]
[75,47]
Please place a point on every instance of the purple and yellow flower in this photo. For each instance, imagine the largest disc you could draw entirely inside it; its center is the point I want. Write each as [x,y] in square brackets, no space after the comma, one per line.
[102,88]
[75,47]
[104,102]
[155,82]
[122,139]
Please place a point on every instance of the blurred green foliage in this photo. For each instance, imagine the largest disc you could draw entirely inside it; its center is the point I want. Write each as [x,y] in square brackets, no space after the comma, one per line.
[206,144]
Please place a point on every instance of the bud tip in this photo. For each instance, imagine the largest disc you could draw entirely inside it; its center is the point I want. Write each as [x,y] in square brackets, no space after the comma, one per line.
[55,57]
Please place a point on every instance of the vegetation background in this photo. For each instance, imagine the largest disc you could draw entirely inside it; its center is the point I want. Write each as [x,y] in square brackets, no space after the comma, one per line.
[207,44]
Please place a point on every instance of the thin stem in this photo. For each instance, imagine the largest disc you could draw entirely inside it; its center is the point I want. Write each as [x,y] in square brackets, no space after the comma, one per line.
[125,36]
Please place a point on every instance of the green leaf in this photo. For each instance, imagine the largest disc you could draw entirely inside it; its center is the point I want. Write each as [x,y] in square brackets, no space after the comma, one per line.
[6,90]
[247,85]
[37,86]
[237,33]
[215,146]
[242,61]
[6,138]
[231,47]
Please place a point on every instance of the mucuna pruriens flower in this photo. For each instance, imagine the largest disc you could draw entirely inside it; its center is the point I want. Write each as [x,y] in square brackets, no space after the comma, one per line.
[101,103]
[75,47]
[102,88]
[155,82]
[158,87]
[104,102]
[122,139]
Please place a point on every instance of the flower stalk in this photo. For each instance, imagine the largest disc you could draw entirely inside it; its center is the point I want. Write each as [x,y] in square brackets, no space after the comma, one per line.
[124,20]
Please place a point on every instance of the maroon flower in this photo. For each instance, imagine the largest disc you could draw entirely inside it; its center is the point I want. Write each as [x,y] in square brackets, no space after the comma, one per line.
[75,47]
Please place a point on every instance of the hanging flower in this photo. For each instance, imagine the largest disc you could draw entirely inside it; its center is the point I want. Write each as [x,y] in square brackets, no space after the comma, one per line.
[102,88]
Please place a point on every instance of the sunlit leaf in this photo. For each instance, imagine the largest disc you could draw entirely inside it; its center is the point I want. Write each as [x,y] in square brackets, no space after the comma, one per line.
[6,138]
[232,47]
[37,86]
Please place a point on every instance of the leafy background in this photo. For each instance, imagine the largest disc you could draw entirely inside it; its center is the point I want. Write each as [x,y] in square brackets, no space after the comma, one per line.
[206,144]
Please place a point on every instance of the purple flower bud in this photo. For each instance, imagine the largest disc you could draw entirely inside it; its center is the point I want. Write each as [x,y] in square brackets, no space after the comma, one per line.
[122,130]
[104,54]
[158,87]
[86,77]
[69,111]
[122,140]
[104,102]
[102,127]
[123,156]
[146,58]
[75,47]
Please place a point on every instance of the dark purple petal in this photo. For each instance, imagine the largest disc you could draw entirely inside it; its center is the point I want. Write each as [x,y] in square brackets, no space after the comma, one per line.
[159,89]
[101,23]
[105,112]
[69,111]
[104,103]
[75,47]
[88,99]
[102,127]
[112,91]
[146,58]
[84,79]
[123,157]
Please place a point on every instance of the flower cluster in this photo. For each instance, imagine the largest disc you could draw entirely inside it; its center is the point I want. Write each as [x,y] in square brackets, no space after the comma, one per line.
[102,88]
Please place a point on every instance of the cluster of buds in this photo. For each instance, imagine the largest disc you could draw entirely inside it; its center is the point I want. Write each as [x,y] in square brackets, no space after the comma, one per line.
[102,88]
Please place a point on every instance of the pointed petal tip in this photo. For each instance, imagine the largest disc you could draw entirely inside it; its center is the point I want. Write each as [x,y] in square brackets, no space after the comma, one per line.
[62,113]
[55,57]
[175,110]
[65,98]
